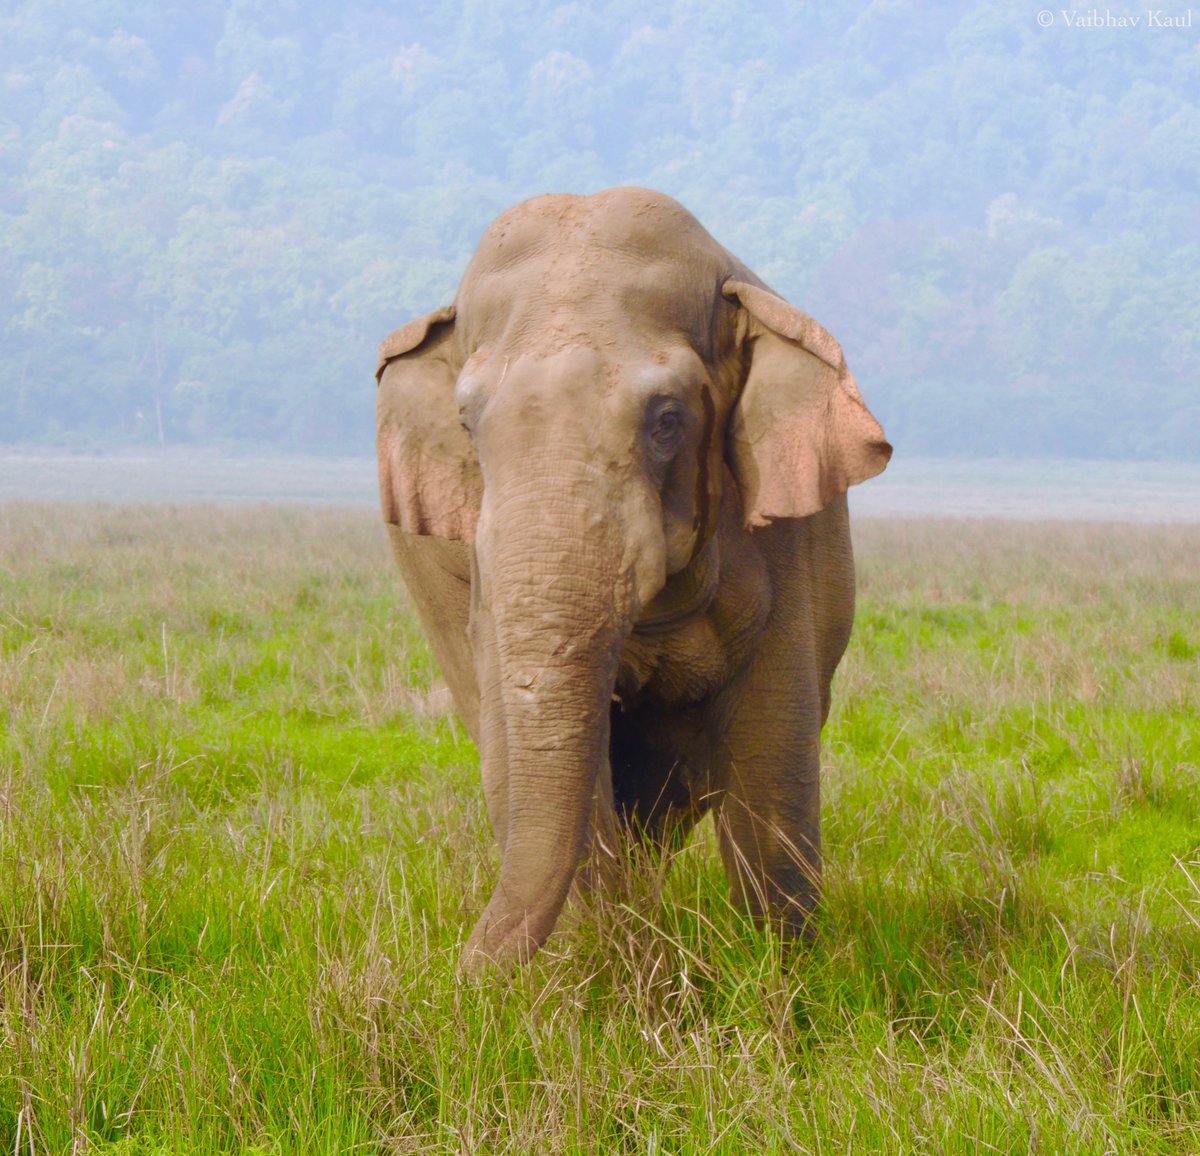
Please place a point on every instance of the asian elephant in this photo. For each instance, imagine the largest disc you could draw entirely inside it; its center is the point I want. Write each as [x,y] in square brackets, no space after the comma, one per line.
[614,473]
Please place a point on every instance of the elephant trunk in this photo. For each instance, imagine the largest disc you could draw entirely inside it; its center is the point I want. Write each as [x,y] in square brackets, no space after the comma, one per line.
[560,609]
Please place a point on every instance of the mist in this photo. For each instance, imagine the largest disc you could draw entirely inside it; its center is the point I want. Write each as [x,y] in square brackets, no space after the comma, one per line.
[210,214]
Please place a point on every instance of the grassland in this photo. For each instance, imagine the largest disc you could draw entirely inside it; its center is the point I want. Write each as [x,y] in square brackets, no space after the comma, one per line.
[241,840]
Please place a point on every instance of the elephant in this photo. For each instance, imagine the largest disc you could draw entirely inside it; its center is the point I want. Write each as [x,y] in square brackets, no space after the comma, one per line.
[613,473]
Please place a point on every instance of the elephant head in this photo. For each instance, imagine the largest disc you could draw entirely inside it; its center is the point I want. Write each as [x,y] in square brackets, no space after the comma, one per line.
[607,376]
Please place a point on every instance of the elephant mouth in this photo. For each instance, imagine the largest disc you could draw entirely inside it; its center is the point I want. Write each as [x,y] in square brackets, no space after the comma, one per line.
[688,593]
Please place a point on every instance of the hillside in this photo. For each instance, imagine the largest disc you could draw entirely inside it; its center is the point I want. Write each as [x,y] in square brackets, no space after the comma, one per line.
[211,212]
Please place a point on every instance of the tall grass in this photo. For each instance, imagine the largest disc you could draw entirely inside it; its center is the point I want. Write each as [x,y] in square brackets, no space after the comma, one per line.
[241,840]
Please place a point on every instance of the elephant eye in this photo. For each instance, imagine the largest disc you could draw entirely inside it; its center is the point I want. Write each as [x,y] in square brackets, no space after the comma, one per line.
[666,430]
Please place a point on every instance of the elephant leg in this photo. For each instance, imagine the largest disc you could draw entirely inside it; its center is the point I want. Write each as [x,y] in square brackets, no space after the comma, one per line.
[768,799]
[768,769]
[437,574]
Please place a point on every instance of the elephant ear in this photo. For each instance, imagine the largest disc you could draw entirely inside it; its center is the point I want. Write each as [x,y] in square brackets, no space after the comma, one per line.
[801,433]
[429,479]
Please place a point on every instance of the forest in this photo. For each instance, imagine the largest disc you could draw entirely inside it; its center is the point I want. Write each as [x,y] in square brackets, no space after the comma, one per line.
[211,212]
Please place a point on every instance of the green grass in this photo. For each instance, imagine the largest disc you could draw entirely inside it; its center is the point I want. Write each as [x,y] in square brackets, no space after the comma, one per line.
[241,842]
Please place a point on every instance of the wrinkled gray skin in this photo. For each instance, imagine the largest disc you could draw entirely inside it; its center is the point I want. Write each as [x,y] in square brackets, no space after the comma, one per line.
[614,476]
